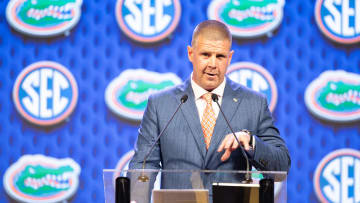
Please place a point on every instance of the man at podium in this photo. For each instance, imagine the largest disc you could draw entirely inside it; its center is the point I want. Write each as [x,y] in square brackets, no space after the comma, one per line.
[198,137]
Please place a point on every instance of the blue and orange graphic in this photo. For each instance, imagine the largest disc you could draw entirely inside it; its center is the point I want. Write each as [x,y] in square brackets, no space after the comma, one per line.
[148,20]
[45,93]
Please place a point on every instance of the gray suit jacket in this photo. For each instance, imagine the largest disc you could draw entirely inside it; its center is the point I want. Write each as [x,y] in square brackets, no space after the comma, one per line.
[182,145]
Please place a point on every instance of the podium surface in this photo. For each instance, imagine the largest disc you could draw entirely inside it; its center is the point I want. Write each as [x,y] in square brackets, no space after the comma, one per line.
[200,186]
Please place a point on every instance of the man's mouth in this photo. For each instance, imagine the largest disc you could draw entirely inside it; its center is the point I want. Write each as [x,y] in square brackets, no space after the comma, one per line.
[211,74]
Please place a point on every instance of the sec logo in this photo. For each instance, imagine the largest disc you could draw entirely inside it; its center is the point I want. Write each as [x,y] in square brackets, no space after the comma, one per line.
[256,78]
[45,93]
[339,20]
[337,177]
[147,20]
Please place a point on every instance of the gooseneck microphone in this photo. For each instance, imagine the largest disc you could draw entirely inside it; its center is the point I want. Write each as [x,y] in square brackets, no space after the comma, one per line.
[143,177]
[247,175]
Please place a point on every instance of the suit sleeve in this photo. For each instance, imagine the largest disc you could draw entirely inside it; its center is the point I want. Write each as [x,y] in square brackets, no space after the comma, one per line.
[148,132]
[271,153]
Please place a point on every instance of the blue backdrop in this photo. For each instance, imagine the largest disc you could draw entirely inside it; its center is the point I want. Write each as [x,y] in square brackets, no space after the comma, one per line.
[96,51]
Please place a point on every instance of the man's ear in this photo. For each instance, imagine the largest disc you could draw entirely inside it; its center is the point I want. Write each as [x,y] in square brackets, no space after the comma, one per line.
[190,53]
[230,56]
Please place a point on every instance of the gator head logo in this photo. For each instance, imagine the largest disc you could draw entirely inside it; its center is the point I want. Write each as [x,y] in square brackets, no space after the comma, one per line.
[37,178]
[337,177]
[148,21]
[256,78]
[45,93]
[335,96]
[339,20]
[127,94]
[43,18]
[247,18]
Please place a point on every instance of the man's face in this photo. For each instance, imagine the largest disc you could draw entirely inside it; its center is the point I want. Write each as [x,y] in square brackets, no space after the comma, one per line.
[210,59]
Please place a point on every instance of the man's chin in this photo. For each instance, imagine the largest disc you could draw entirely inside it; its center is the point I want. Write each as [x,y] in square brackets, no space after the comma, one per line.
[211,87]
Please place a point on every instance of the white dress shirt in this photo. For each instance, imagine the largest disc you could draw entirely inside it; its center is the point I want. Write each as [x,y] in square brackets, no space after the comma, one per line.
[201,103]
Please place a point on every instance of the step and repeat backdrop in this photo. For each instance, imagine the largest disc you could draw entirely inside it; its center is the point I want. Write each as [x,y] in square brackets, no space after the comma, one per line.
[75,77]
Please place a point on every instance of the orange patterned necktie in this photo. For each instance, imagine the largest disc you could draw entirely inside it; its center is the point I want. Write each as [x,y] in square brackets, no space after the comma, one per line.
[208,120]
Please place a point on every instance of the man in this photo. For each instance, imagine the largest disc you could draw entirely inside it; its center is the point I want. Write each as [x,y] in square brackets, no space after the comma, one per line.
[198,136]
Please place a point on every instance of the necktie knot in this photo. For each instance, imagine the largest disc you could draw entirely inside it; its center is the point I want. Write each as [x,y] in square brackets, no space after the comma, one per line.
[207,97]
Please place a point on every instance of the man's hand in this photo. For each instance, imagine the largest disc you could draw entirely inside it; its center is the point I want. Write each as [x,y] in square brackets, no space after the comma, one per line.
[230,144]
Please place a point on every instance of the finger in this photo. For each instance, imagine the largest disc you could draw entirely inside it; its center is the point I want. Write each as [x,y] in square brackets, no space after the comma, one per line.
[235,145]
[229,142]
[245,142]
[246,146]
[222,145]
[226,155]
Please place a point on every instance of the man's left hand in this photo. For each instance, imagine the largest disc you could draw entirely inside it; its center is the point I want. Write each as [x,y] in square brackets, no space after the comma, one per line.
[230,144]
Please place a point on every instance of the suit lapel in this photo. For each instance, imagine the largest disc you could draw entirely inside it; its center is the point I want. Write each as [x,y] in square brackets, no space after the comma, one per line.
[190,113]
[230,102]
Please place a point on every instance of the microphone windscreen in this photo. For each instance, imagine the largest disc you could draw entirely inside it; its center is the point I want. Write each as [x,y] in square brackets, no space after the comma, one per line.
[214,97]
[184,98]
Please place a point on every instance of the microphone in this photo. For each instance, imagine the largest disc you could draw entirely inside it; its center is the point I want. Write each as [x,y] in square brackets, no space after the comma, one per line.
[247,175]
[143,177]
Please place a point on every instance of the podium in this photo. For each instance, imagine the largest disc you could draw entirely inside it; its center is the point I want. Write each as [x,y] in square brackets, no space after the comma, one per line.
[194,186]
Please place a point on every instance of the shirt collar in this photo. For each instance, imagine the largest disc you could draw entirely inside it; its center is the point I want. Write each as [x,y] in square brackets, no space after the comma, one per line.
[199,91]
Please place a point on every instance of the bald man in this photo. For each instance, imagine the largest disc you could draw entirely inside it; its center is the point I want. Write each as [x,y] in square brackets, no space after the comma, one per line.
[198,136]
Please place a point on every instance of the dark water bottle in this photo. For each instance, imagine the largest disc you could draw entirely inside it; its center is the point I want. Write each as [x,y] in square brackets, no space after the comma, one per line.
[266,192]
[122,190]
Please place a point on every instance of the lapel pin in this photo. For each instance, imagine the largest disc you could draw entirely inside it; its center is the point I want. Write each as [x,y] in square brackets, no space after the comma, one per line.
[235,100]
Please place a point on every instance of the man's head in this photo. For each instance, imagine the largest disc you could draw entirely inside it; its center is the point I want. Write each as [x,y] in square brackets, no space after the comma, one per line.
[210,53]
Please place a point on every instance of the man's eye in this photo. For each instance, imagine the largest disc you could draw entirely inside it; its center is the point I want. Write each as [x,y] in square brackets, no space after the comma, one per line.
[205,54]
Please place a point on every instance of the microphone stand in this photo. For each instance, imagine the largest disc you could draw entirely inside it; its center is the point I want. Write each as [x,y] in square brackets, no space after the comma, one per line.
[143,177]
[247,175]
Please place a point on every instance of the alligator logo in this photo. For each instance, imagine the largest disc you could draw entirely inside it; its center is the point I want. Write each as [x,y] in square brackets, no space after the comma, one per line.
[247,18]
[339,20]
[37,178]
[43,18]
[127,94]
[337,177]
[256,78]
[45,93]
[335,96]
[148,20]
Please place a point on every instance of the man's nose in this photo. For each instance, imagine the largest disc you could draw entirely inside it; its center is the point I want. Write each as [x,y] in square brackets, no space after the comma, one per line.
[212,61]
